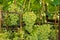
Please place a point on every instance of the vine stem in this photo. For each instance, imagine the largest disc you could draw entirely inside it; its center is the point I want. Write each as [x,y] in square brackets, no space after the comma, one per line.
[15,2]
[44,8]
[0,17]
[21,14]
[29,5]
[0,20]
[59,23]
[21,18]
[55,23]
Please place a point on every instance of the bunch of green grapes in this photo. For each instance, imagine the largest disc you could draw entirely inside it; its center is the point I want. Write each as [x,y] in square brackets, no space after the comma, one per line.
[4,35]
[44,31]
[6,19]
[45,28]
[13,8]
[18,35]
[11,19]
[29,18]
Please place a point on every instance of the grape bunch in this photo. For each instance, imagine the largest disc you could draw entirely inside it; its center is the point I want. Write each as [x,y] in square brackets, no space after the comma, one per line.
[4,35]
[13,8]
[11,19]
[29,18]
[14,18]
[44,31]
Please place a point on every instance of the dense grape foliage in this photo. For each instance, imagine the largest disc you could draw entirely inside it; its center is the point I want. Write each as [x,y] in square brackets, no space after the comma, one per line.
[28,19]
